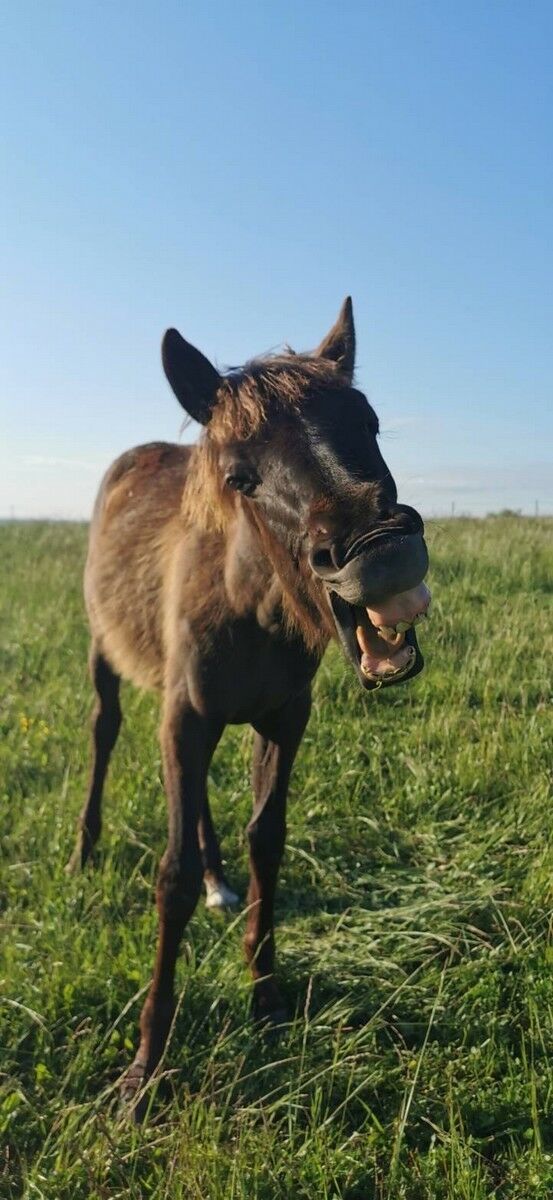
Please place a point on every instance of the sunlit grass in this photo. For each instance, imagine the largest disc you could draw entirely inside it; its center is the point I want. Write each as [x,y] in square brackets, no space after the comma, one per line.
[414,915]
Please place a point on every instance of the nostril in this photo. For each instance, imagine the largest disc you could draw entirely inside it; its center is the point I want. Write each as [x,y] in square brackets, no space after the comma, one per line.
[321,560]
[326,560]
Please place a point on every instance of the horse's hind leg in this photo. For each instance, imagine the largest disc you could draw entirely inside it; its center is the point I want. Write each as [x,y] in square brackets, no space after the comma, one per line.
[218,892]
[106,723]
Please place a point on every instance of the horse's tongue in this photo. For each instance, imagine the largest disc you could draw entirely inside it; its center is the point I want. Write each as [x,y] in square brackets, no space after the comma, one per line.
[405,606]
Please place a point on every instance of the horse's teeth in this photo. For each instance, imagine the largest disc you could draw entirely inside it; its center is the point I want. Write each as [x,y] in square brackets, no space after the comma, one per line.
[387,631]
[390,632]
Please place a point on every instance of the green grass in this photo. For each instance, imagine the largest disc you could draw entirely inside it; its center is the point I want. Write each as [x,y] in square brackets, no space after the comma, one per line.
[414,915]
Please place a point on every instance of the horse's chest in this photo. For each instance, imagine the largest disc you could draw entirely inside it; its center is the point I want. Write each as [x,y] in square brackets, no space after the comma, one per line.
[247,671]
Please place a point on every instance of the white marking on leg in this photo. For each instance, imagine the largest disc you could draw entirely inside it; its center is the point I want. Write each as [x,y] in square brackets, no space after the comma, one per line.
[219,895]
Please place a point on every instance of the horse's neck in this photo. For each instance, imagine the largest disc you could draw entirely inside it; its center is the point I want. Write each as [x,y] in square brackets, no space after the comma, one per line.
[248,573]
[265,576]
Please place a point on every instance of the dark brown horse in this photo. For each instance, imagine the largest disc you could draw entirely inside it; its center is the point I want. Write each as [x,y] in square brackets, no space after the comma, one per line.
[217,574]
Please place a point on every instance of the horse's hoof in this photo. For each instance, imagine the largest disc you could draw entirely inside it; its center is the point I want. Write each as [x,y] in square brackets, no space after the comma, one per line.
[269,1013]
[219,895]
[80,856]
[272,1024]
[76,862]
[133,1102]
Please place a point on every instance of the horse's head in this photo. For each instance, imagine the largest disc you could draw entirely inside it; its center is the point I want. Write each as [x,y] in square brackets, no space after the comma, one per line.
[294,444]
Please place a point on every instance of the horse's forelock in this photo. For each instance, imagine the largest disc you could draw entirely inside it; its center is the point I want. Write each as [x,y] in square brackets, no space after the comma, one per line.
[247,399]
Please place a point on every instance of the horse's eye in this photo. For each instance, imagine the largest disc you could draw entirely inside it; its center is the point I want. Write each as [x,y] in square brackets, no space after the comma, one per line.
[245,482]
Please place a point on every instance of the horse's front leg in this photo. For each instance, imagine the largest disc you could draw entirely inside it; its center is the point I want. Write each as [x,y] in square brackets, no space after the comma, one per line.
[277,738]
[187,743]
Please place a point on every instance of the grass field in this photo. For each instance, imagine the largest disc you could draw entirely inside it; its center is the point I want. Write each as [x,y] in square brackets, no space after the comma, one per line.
[415,915]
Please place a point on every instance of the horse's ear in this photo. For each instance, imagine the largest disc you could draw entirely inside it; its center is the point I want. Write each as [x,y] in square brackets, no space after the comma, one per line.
[339,344]
[192,377]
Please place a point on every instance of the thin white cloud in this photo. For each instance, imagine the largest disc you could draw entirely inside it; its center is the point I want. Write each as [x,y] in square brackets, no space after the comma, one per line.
[476,488]
[47,460]
[391,425]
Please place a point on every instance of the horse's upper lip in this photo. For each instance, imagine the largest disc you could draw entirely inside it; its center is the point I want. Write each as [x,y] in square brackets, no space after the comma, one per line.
[359,544]
[376,567]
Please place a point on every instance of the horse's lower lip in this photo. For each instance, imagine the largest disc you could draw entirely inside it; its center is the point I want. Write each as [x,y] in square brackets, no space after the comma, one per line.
[389,670]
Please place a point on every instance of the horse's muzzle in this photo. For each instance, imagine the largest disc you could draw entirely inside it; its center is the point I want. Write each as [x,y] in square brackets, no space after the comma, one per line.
[377,595]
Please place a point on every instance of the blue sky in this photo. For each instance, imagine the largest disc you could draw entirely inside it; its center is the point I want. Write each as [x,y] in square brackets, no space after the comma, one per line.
[236,170]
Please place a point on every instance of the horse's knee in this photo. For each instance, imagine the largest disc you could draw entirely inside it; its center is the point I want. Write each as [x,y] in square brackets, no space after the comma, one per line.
[266,837]
[179,884]
[106,723]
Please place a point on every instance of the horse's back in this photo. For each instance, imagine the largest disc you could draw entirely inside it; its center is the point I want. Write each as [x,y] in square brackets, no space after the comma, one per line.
[135,525]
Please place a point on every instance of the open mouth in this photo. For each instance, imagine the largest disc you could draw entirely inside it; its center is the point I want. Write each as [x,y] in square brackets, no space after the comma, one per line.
[381,641]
